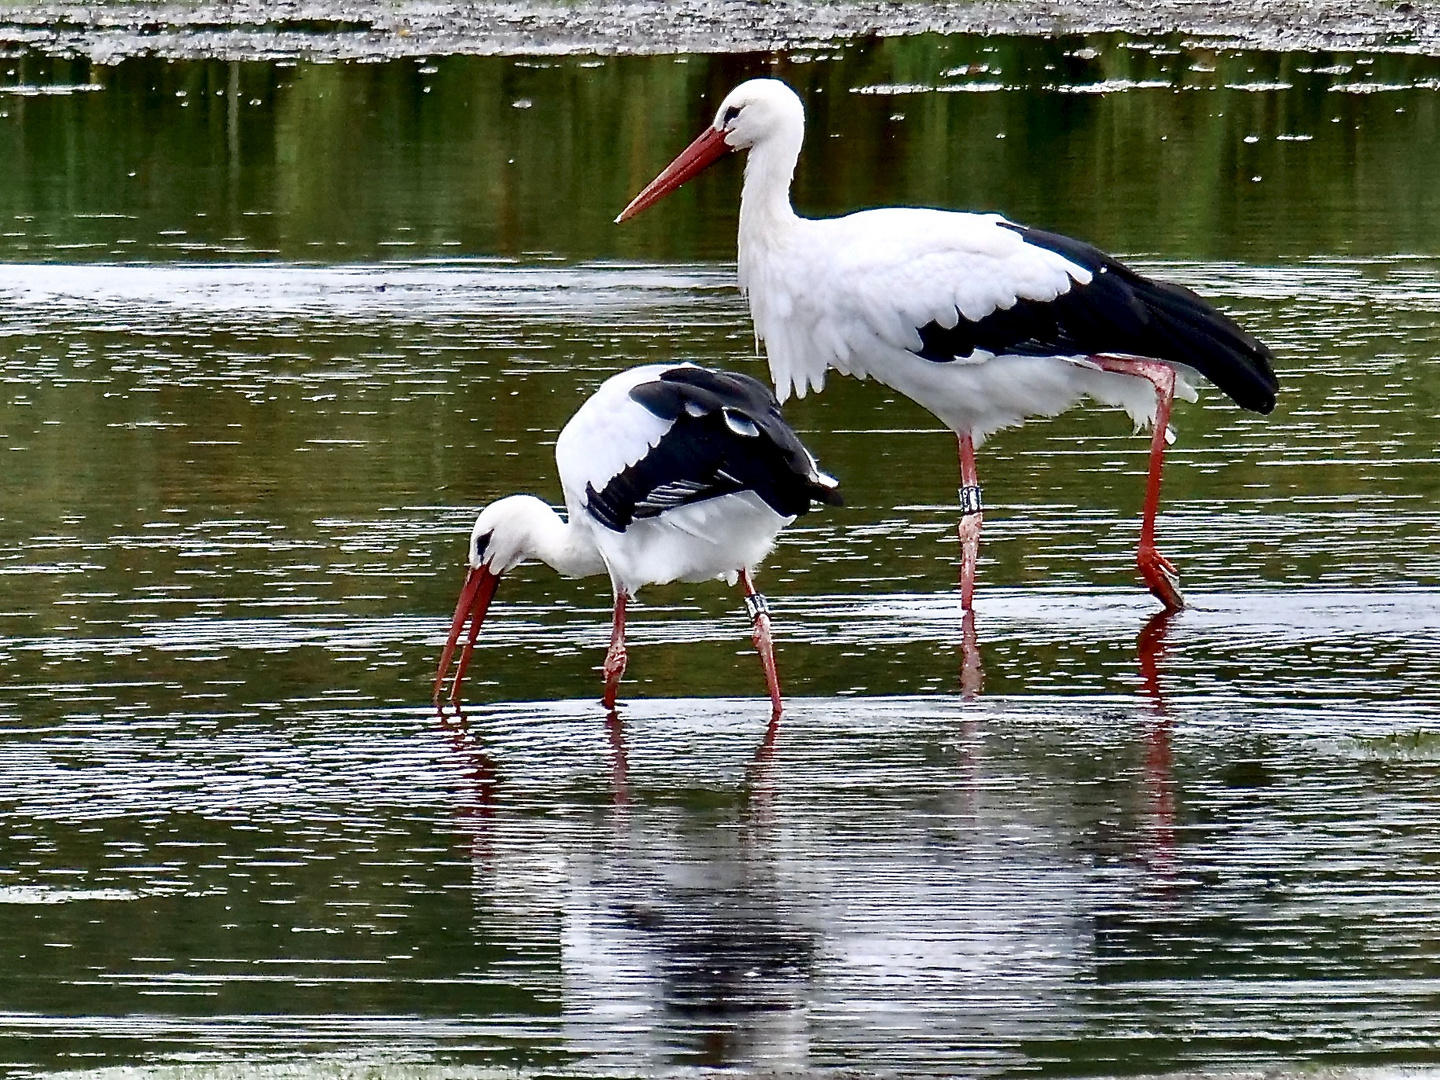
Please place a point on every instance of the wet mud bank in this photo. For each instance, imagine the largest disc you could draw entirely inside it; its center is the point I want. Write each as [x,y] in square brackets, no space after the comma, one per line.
[358,30]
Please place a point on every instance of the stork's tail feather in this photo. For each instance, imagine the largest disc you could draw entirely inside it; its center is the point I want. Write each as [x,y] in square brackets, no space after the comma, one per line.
[826,489]
[1120,311]
[1211,343]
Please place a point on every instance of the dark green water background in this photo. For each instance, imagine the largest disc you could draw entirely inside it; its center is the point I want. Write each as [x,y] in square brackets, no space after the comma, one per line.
[270,334]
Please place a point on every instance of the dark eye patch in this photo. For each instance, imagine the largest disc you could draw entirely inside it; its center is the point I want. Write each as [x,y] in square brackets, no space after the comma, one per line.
[481,543]
[730,114]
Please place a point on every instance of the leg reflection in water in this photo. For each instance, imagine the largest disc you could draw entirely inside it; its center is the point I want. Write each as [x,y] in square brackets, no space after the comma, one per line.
[1159,780]
[759,796]
[972,674]
[619,760]
[476,812]
[972,681]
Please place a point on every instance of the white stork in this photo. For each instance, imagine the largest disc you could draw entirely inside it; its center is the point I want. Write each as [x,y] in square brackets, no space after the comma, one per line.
[981,321]
[671,472]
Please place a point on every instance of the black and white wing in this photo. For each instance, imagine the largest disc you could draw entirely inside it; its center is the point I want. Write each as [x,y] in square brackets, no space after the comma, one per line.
[963,288]
[720,433]
[1117,312]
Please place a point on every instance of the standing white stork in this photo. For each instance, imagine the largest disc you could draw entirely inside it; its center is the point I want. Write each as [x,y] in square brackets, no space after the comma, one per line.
[671,472]
[981,321]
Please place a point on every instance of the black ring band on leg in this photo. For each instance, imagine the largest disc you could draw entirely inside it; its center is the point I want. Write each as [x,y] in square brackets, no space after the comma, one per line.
[970,500]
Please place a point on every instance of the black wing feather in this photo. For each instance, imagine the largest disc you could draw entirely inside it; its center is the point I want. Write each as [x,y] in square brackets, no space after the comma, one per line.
[704,456]
[1119,311]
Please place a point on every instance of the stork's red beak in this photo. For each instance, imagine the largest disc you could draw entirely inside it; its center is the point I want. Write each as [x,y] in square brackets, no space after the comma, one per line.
[475,597]
[709,148]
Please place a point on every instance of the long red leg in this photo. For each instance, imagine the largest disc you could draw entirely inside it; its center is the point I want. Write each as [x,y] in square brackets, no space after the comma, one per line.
[760,615]
[971,518]
[615,656]
[1159,573]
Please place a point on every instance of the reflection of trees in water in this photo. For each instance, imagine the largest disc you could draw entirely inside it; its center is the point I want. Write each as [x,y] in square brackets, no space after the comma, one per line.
[372,160]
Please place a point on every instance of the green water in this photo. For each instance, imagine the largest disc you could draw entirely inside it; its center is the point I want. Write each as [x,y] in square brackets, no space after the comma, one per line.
[271,334]
[1191,152]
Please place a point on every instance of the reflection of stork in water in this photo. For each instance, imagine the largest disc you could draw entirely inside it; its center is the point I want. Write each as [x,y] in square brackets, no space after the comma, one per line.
[1159,781]
[476,812]
[701,933]
[751,924]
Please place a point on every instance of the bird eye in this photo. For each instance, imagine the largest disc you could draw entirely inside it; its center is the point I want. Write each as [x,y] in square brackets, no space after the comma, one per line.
[481,543]
[730,114]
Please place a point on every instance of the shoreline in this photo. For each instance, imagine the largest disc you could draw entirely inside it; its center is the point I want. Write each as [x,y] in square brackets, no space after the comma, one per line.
[374,30]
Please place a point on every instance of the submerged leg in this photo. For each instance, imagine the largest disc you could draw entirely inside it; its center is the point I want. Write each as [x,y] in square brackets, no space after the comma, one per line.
[615,656]
[1159,573]
[971,518]
[760,616]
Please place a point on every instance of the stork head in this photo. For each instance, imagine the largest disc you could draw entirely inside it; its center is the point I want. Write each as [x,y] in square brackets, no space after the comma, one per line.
[509,531]
[758,113]
[506,533]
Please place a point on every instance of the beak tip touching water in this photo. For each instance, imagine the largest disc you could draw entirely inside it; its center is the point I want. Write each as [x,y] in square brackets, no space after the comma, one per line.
[475,597]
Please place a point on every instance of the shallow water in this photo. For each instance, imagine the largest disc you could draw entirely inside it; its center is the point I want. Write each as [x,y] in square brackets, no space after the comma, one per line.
[1072,839]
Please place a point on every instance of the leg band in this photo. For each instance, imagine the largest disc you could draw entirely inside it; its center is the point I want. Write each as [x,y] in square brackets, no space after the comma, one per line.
[755,604]
[970,500]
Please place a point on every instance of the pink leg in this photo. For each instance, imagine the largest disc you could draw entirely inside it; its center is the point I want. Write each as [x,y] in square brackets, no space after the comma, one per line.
[971,518]
[760,615]
[615,656]
[1159,573]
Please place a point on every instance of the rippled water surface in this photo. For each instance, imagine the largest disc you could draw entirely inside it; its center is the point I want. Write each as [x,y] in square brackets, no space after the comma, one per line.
[259,370]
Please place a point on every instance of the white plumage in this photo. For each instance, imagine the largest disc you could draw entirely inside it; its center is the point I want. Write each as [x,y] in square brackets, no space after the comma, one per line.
[851,293]
[981,321]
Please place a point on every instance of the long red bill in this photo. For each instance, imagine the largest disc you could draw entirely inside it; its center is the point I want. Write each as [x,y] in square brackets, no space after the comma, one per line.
[475,597]
[709,148]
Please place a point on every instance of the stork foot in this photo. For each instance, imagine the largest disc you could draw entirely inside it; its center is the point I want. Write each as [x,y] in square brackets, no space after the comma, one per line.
[613,670]
[1161,577]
